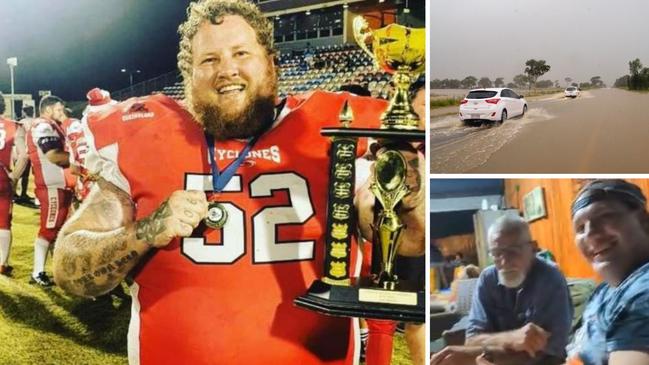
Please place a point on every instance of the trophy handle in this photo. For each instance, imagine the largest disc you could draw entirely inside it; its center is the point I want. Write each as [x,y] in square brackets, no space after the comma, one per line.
[363,34]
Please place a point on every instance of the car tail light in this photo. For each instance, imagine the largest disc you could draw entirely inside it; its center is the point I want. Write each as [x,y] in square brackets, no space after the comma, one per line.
[493,101]
[464,101]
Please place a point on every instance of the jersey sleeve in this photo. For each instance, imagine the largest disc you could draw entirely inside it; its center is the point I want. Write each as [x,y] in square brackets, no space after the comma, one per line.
[44,130]
[121,127]
[367,111]
[102,132]
[46,138]
[103,162]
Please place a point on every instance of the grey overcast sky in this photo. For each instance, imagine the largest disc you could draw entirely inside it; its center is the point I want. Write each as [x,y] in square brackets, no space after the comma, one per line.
[577,38]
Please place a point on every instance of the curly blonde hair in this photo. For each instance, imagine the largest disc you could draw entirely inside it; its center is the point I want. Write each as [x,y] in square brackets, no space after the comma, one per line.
[214,11]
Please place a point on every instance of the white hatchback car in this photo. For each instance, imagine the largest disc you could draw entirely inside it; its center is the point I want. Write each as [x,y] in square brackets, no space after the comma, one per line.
[492,104]
[571,92]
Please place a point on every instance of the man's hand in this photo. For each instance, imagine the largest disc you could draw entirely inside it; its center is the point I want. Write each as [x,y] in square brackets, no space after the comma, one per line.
[483,361]
[529,338]
[456,355]
[176,217]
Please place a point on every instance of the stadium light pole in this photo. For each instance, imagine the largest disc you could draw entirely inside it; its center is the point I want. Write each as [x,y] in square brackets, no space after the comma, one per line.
[130,75]
[12,62]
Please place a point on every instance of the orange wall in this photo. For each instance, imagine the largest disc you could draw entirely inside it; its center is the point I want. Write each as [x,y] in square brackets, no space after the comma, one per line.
[555,232]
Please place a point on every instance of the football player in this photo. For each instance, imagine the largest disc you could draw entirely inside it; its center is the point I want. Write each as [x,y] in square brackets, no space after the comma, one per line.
[410,267]
[7,181]
[46,149]
[218,210]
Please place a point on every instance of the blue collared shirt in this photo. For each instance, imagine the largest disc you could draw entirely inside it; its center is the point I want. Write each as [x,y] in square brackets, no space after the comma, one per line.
[542,299]
[615,319]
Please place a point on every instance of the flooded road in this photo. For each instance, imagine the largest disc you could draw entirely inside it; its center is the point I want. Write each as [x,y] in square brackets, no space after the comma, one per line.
[604,130]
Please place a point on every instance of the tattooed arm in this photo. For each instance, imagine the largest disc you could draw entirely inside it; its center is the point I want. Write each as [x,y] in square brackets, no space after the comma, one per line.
[411,210]
[101,242]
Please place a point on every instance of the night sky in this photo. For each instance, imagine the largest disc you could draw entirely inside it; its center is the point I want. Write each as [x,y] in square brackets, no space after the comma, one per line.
[85,43]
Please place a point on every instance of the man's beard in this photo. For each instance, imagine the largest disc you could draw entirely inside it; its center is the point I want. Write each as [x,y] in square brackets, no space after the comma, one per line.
[250,121]
[511,279]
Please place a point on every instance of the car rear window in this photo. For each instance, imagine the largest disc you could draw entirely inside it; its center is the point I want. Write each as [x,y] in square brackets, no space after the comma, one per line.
[481,94]
[571,89]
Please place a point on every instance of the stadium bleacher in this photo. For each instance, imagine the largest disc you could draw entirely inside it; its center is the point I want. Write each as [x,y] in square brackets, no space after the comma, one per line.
[327,68]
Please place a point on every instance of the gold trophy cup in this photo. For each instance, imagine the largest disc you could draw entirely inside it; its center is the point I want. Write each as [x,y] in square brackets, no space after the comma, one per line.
[400,51]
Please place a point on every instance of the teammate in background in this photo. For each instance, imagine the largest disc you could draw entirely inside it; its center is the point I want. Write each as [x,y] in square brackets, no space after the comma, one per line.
[75,141]
[98,100]
[263,242]
[7,135]
[75,146]
[45,145]
[416,333]
[410,268]
[22,164]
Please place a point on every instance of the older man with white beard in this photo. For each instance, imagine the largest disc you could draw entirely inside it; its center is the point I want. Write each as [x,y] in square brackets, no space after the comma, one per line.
[521,311]
[522,303]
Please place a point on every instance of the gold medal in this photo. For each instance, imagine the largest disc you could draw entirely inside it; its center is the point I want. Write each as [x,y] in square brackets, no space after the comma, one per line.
[217,216]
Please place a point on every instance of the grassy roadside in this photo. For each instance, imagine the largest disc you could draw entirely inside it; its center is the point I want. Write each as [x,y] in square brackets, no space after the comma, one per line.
[39,326]
[442,102]
[539,92]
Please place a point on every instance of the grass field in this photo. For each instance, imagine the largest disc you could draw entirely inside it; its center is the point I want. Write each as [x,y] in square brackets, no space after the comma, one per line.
[539,92]
[40,326]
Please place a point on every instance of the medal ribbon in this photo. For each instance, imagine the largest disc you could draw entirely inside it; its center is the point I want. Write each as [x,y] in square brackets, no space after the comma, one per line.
[221,178]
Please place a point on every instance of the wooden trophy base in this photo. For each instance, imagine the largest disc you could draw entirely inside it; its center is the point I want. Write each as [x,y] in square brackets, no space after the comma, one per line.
[362,300]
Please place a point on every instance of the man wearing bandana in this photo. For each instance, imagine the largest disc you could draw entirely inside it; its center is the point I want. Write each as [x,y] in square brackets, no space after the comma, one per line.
[611,226]
[218,211]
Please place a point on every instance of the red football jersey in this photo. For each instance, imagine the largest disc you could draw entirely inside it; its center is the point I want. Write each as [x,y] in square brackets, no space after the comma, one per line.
[7,135]
[74,140]
[46,174]
[226,296]
[77,147]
